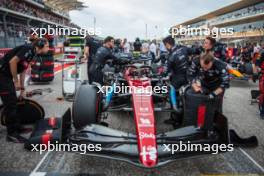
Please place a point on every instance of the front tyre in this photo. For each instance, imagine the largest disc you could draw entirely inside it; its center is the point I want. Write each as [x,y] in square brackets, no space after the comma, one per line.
[86,106]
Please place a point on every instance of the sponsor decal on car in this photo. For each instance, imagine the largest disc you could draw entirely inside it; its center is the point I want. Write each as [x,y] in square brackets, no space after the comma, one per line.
[148,153]
[144,109]
[143,135]
[145,123]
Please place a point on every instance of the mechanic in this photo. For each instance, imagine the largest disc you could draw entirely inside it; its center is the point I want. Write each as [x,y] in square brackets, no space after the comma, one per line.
[177,65]
[209,75]
[147,53]
[218,49]
[208,45]
[117,48]
[137,45]
[102,55]
[195,53]
[177,62]
[15,63]
[246,54]
[90,50]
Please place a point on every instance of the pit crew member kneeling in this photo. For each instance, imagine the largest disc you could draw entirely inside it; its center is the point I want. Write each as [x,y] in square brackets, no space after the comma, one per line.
[208,75]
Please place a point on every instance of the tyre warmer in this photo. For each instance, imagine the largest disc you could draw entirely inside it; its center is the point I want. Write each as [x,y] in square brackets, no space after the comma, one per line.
[29,112]
[42,68]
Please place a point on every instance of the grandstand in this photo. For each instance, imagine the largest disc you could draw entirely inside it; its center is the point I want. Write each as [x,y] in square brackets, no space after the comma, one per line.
[246,17]
[18,16]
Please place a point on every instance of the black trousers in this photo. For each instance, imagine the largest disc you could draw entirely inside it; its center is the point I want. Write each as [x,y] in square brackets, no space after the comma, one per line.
[96,74]
[221,101]
[9,99]
[178,81]
[89,63]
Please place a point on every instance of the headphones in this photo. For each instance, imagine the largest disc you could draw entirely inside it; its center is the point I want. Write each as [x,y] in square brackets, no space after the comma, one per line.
[41,43]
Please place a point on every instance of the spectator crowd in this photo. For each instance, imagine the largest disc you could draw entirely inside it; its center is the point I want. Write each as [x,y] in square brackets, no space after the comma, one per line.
[38,12]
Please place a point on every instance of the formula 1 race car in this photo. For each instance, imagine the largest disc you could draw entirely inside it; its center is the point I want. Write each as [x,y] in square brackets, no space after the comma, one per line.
[202,123]
[244,69]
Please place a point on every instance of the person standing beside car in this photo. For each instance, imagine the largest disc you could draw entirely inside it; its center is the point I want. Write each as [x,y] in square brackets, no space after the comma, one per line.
[13,65]
[90,50]
[103,54]
[126,46]
[177,65]
[137,45]
[208,44]
[153,48]
[216,48]
[177,62]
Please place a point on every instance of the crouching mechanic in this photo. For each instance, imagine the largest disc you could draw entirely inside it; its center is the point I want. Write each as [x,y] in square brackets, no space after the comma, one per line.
[209,75]
[177,66]
[102,55]
[15,63]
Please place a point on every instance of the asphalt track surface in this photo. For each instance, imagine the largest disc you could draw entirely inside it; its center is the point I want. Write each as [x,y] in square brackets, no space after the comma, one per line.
[243,117]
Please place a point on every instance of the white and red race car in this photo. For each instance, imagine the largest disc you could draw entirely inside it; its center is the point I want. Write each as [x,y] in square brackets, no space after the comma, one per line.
[202,124]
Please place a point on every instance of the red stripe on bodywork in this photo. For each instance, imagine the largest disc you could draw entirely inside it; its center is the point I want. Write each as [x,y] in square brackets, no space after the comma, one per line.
[52,122]
[145,121]
[201,115]
[45,139]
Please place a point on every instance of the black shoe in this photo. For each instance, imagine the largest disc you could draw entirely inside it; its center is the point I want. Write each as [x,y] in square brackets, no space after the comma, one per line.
[16,138]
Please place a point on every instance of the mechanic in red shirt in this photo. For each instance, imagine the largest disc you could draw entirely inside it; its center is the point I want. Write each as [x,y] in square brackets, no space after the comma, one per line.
[15,63]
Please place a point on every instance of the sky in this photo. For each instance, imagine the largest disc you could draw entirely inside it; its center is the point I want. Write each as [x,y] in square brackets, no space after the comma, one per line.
[130,18]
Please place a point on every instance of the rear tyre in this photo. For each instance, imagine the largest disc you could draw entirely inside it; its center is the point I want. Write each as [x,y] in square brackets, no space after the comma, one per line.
[86,106]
